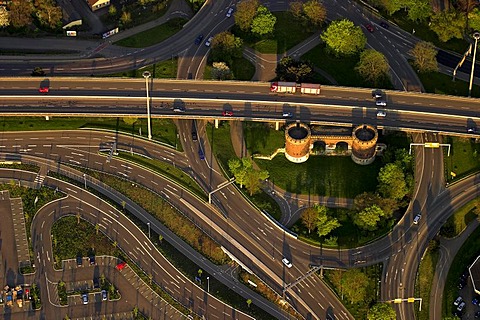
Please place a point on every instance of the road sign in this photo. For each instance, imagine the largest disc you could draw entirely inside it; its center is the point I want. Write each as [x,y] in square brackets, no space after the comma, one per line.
[397,301]
[432,145]
[411,300]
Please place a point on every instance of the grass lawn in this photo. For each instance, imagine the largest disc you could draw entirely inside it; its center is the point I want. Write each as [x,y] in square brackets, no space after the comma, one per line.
[436,82]
[221,143]
[161,70]
[163,130]
[167,170]
[154,35]
[465,256]
[72,237]
[341,69]
[287,34]
[457,222]
[423,284]
[261,138]
[333,176]
[243,69]
[464,158]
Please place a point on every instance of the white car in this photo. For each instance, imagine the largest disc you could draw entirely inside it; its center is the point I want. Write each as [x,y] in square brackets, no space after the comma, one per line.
[287,114]
[380,102]
[457,301]
[381,113]
[209,41]
[461,306]
[417,218]
[229,12]
[287,263]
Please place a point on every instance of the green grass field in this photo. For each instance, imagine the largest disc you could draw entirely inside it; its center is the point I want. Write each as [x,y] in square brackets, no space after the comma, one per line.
[464,158]
[423,284]
[333,176]
[457,222]
[261,139]
[160,70]
[154,35]
[439,83]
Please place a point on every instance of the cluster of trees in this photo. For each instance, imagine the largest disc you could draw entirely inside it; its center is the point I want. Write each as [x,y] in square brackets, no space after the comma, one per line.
[289,69]
[395,181]
[316,218]
[22,13]
[254,18]
[311,14]
[246,175]
[463,17]
[226,47]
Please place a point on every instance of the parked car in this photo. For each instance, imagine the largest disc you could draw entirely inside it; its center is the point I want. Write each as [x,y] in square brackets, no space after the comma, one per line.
[461,306]
[229,12]
[227,113]
[477,314]
[385,25]
[475,301]
[121,265]
[369,27]
[91,259]
[199,39]
[96,283]
[79,261]
[287,263]
[209,41]
[462,284]
[104,295]
[457,301]
[85,298]
[417,218]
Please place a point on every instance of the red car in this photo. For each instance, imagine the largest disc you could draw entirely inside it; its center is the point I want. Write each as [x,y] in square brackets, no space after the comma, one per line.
[369,27]
[43,89]
[121,265]
[227,113]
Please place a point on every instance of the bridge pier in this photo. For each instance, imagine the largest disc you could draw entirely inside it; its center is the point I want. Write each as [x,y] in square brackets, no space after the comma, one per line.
[277,125]
[216,123]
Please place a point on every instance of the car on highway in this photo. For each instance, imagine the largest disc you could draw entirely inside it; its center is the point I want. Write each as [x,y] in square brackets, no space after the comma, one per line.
[287,263]
[287,115]
[381,114]
[369,27]
[201,154]
[227,113]
[381,102]
[472,130]
[85,298]
[377,93]
[104,295]
[209,41]
[44,89]
[229,12]
[457,301]
[417,218]
[179,109]
[385,25]
[194,131]
[199,39]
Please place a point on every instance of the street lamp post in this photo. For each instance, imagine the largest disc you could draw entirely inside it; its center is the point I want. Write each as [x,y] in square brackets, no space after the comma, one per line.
[148,224]
[476,36]
[146,75]
[85,180]
[208,284]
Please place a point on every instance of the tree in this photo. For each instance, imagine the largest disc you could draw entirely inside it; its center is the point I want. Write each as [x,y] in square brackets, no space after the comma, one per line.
[221,71]
[254,179]
[419,10]
[48,13]
[200,271]
[424,56]
[315,12]
[354,283]
[4,17]
[245,174]
[97,228]
[126,17]
[226,47]
[381,311]
[112,10]
[309,218]
[135,311]
[368,218]
[246,11]
[296,9]
[289,69]
[392,182]
[372,65]
[448,25]
[342,37]
[325,224]
[21,13]
[264,21]
[249,302]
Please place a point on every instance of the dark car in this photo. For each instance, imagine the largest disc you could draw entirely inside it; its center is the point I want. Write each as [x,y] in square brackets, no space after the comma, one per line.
[472,130]
[96,283]
[79,261]
[201,154]
[369,27]
[462,284]
[377,94]
[104,295]
[385,25]
[199,39]
[477,314]
[475,301]
[91,259]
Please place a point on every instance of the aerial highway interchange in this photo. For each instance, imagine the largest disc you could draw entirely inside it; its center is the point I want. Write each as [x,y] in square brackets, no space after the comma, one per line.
[257,242]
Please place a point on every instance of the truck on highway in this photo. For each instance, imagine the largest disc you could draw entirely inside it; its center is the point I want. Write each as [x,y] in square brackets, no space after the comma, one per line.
[293,87]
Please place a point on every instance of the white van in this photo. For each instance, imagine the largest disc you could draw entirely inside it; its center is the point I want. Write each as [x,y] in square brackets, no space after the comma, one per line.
[287,263]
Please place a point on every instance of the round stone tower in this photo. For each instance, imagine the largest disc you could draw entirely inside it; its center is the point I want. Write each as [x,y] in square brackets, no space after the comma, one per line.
[364,144]
[297,142]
